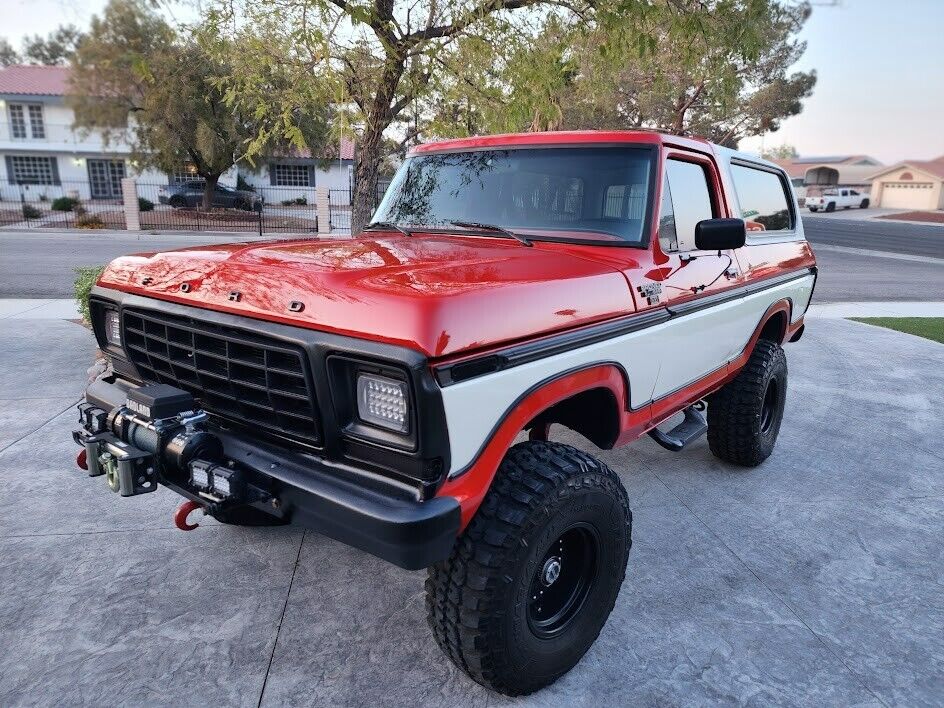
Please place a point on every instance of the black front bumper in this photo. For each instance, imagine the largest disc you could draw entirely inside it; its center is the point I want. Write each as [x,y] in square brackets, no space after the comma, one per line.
[347,504]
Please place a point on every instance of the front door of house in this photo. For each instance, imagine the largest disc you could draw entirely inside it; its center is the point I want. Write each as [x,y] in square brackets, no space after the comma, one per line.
[105,178]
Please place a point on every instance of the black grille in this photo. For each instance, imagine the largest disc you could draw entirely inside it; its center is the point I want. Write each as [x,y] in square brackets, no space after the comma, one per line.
[241,376]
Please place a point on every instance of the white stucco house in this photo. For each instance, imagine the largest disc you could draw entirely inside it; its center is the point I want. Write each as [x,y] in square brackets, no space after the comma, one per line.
[42,156]
[910,184]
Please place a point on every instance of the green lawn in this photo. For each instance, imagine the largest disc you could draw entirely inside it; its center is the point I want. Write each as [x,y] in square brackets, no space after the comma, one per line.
[928,327]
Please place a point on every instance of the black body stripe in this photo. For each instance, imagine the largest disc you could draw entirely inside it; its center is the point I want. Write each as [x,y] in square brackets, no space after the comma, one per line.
[516,355]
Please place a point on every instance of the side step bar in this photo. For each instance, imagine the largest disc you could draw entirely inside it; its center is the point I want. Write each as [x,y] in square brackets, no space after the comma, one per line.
[692,428]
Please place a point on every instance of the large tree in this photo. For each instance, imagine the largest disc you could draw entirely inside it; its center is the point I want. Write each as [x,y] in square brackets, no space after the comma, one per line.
[580,75]
[56,48]
[8,55]
[135,78]
[384,63]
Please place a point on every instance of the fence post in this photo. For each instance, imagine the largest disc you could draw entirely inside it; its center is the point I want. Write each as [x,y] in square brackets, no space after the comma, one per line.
[129,197]
[323,210]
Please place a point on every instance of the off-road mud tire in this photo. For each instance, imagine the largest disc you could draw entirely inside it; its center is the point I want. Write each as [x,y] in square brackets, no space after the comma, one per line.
[744,416]
[477,601]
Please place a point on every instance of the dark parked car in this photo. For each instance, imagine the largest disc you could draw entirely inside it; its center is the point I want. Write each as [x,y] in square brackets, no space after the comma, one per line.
[190,194]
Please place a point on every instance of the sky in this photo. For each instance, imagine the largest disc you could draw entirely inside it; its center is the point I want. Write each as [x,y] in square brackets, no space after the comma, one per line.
[880,64]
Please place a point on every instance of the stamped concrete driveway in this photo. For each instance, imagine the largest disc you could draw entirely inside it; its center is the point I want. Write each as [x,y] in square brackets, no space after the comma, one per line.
[815,579]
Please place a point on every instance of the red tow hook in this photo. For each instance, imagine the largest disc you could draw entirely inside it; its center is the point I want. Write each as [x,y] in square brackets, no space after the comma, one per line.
[183,511]
[82,460]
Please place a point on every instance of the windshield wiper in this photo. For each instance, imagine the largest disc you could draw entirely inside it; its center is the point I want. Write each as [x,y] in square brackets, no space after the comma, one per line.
[387,225]
[492,227]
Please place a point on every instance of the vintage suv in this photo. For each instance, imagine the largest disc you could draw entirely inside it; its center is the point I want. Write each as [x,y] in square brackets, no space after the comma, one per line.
[379,389]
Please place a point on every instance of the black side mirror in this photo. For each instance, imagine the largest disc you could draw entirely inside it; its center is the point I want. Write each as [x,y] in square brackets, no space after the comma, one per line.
[720,234]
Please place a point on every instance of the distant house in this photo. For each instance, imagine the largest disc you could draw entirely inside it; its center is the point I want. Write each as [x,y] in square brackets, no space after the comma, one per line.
[910,184]
[42,156]
[810,175]
[296,174]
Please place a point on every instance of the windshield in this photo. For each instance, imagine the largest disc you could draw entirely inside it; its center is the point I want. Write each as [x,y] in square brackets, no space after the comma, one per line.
[554,194]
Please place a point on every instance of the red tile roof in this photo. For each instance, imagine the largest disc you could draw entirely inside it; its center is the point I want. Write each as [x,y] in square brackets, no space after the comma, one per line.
[34,80]
[345,152]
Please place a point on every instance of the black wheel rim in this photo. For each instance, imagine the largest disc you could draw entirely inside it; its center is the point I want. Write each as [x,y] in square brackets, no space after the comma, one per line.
[768,413]
[562,581]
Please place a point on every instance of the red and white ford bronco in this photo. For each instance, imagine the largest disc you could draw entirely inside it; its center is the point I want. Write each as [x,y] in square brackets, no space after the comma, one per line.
[373,388]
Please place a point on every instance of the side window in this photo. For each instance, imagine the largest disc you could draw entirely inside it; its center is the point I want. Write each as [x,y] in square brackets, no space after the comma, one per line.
[691,201]
[763,199]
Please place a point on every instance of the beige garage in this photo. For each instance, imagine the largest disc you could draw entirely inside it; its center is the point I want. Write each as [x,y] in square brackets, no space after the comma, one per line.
[914,184]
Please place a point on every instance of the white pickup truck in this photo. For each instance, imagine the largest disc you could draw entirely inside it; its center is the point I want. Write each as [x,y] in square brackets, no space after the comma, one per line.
[842,197]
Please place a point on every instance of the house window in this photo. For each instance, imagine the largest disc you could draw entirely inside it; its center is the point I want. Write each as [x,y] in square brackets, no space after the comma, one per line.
[26,121]
[37,126]
[290,176]
[32,170]
[17,121]
[183,173]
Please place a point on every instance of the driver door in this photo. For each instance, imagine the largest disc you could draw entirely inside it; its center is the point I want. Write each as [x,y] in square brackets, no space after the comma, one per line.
[703,335]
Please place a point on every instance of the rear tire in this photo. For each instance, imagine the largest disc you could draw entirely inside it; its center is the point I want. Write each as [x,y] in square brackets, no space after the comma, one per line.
[177,202]
[533,579]
[814,209]
[744,416]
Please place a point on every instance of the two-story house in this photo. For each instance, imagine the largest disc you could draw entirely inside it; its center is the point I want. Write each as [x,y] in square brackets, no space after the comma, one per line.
[42,156]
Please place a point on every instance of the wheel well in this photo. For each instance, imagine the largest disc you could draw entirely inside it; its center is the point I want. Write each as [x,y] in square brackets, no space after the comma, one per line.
[775,329]
[593,413]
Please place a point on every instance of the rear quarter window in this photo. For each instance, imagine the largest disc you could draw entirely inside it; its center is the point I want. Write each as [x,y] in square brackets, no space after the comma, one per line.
[762,195]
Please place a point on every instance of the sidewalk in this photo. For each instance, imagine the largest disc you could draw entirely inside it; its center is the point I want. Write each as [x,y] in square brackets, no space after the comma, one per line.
[66,309]
[840,310]
[31,309]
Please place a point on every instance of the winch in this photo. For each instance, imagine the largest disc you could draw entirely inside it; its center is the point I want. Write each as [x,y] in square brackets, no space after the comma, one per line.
[158,432]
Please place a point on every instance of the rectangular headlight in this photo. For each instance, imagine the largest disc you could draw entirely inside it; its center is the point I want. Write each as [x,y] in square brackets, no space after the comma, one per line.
[383,402]
[112,327]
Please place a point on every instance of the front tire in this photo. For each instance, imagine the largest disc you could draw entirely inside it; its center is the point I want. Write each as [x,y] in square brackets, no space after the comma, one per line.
[864,204]
[831,206]
[533,579]
[744,416]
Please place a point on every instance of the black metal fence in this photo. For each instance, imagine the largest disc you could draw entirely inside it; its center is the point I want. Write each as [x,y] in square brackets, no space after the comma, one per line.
[64,205]
[165,207]
[277,210]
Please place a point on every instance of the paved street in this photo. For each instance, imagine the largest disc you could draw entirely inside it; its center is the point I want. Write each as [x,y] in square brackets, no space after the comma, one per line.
[40,263]
[812,580]
[873,234]
[37,264]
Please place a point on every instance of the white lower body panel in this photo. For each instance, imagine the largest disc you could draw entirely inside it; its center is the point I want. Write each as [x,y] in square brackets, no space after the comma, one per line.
[658,360]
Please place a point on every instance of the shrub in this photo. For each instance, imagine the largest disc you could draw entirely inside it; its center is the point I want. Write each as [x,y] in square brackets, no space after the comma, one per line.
[85,278]
[31,212]
[301,201]
[64,204]
[90,221]
[79,210]
[145,204]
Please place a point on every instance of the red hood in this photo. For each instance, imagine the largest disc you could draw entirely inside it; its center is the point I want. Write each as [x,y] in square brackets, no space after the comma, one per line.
[438,294]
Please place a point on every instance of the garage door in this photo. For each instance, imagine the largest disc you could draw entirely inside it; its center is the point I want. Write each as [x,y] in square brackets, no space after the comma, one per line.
[907,195]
